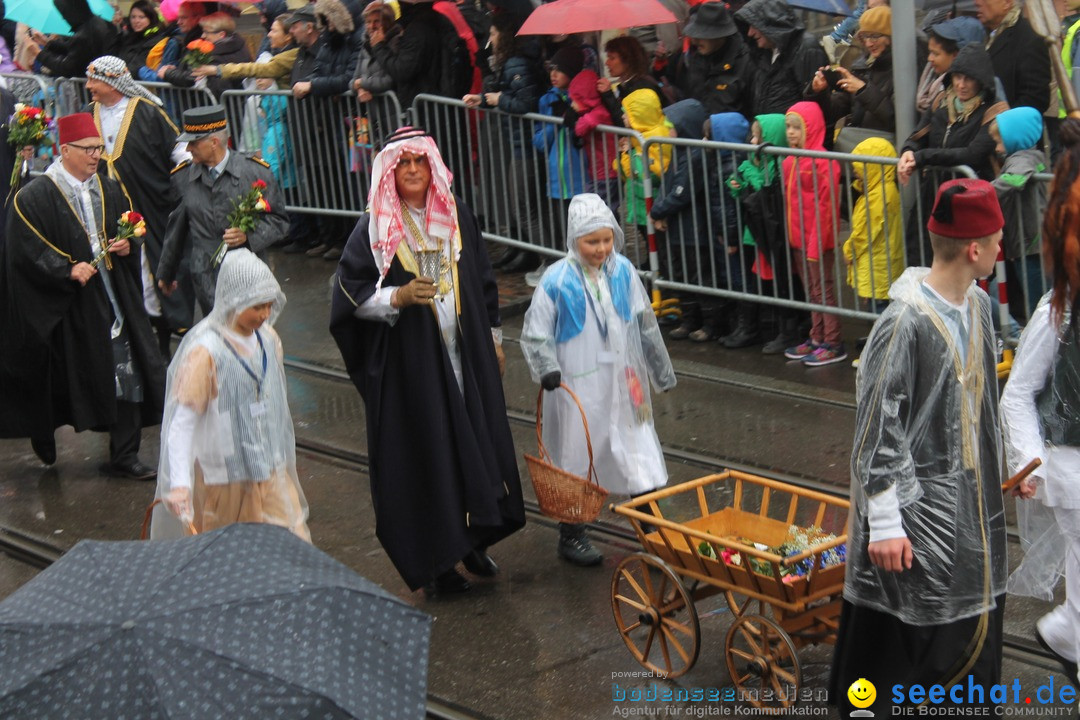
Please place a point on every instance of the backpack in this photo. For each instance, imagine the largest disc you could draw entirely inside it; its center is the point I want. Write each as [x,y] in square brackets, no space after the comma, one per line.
[455,61]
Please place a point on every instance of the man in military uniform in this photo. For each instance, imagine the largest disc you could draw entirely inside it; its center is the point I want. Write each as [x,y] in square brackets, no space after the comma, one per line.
[208,186]
[140,150]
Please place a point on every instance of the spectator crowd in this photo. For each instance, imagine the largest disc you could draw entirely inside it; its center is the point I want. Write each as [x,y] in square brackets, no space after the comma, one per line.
[733,73]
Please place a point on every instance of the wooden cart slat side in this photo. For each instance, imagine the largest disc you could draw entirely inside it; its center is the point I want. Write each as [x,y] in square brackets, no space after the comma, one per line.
[678,542]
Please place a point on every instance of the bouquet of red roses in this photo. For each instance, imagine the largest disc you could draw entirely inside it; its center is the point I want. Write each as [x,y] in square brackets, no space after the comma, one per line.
[28,125]
[199,52]
[131,224]
[246,211]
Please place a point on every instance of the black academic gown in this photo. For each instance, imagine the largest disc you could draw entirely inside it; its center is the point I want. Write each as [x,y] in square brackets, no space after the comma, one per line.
[141,161]
[7,156]
[56,356]
[444,476]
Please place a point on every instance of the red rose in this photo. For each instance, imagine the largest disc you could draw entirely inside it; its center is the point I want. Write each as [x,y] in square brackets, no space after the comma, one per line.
[259,184]
[134,218]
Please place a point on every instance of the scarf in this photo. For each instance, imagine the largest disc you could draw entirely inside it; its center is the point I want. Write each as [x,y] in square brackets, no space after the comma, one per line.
[960,109]
[114,72]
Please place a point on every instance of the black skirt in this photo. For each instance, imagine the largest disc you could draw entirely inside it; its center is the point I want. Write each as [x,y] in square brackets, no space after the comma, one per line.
[879,647]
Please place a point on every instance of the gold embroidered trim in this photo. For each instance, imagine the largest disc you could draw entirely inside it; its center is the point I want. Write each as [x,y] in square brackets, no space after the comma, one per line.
[207,127]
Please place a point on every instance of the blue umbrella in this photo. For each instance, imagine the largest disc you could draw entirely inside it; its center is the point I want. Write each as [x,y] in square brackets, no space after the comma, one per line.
[43,16]
[829,7]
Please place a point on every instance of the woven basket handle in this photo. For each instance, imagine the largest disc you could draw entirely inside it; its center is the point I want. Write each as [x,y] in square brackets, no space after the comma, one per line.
[544,454]
[146,521]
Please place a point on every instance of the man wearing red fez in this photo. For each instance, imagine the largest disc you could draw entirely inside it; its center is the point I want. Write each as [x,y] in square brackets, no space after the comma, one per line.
[926,561]
[77,346]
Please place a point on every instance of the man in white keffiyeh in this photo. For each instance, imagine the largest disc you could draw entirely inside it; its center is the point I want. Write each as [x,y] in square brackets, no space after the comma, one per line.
[416,316]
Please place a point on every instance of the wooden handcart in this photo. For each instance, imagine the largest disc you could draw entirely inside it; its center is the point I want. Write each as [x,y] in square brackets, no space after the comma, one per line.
[653,593]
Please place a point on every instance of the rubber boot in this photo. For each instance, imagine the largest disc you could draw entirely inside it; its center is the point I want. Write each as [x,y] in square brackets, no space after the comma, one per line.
[574,546]
[747,332]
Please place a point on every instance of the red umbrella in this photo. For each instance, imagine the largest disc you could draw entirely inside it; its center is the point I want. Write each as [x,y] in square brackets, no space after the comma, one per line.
[564,17]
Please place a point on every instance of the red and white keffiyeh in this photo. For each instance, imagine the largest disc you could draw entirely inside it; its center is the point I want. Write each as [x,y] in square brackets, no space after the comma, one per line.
[386,227]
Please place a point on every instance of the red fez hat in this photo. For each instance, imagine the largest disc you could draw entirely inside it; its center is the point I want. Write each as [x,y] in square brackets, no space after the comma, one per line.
[966,209]
[73,128]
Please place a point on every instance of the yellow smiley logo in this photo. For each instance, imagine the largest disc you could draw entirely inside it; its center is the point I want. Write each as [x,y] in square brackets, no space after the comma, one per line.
[862,693]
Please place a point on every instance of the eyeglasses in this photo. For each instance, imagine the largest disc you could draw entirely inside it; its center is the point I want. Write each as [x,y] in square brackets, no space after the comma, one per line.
[871,37]
[89,149]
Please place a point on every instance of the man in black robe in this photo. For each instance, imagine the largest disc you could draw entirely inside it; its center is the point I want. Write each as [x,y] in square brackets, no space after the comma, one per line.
[425,353]
[140,153]
[77,346]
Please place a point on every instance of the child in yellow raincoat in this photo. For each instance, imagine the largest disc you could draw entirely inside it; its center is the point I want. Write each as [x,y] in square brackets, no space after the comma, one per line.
[642,112]
[874,252]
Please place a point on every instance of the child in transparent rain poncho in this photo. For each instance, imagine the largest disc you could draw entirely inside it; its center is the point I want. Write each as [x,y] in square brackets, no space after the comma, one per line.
[591,326]
[228,451]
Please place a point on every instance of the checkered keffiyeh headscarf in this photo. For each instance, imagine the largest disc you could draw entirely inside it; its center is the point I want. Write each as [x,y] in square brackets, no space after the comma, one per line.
[386,227]
[113,71]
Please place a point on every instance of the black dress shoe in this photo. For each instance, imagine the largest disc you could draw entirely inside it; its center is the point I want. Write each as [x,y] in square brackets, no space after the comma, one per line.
[133,471]
[44,448]
[1069,666]
[450,582]
[479,563]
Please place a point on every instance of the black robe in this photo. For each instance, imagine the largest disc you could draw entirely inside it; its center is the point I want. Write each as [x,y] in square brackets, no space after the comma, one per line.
[141,161]
[56,356]
[444,476]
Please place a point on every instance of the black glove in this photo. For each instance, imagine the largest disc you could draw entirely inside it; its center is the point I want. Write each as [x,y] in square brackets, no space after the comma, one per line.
[551,381]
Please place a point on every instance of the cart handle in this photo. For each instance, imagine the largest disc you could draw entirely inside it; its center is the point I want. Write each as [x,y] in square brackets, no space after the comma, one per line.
[544,454]
[1020,476]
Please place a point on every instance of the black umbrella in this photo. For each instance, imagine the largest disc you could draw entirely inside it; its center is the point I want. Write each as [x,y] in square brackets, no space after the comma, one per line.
[244,622]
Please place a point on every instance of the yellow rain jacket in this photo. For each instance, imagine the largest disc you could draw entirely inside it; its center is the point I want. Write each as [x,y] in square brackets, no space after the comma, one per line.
[875,250]
[642,108]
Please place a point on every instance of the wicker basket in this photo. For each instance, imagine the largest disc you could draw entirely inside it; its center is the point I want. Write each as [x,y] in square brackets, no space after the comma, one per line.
[145,532]
[564,496]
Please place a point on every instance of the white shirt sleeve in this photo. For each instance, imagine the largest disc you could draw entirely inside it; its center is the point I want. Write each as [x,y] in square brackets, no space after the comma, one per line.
[377,308]
[180,153]
[884,516]
[1027,377]
[181,441]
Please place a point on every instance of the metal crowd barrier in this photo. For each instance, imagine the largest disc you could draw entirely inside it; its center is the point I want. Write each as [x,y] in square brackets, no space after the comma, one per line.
[32,89]
[500,161]
[321,148]
[705,261]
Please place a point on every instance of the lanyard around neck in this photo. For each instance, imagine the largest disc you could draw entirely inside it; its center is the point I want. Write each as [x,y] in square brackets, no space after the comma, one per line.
[247,368]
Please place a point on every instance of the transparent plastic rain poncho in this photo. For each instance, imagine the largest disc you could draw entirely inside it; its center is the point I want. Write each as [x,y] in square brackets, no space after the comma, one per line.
[225,434]
[598,329]
[926,437]
[1040,416]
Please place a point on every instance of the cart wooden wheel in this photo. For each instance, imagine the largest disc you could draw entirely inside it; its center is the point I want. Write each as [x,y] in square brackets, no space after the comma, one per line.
[742,604]
[655,615]
[760,658]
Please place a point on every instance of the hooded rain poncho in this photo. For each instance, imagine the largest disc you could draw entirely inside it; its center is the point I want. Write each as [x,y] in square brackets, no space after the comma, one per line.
[927,431]
[602,335]
[227,432]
